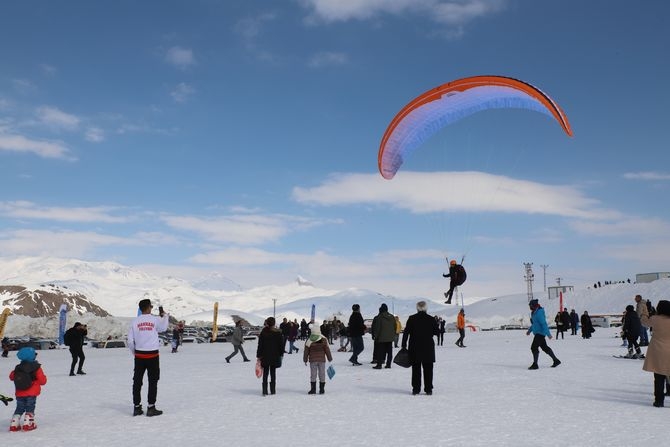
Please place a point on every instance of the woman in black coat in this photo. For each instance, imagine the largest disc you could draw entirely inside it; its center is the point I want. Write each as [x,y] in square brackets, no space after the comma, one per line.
[587,325]
[270,352]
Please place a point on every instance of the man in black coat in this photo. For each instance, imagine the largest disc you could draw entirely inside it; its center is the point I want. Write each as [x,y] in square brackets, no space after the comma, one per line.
[356,331]
[420,329]
[74,338]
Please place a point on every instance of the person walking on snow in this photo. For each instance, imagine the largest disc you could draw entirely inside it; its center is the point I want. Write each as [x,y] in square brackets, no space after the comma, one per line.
[144,344]
[356,331]
[316,351]
[26,393]
[237,341]
[540,330]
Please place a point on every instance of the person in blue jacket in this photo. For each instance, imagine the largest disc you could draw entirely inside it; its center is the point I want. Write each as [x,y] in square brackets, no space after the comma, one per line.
[540,330]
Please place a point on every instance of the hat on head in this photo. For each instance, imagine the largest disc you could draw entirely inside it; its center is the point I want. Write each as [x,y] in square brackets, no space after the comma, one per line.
[533,304]
[630,308]
[145,303]
[77,324]
[356,307]
[383,308]
[27,354]
[663,308]
[452,262]
[421,306]
[316,330]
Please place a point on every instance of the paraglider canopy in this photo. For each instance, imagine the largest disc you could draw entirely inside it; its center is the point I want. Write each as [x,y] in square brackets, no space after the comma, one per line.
[443,105]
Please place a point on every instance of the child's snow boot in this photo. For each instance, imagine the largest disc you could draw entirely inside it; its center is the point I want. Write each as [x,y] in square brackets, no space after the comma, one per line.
[15,424]
[322,386]
[312,388]
[28,422]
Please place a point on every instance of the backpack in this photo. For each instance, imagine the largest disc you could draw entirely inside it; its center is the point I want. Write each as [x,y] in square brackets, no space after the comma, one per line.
[23,379]
[461,276]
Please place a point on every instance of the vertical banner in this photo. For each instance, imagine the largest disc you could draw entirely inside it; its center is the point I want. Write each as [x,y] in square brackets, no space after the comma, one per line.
[3,320]
[215,328]
[313,313]
[62,322]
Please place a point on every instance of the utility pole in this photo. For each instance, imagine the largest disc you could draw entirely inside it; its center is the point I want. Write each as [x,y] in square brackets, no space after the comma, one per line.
[558,281]
[274,307]
[544,268]
[529,277]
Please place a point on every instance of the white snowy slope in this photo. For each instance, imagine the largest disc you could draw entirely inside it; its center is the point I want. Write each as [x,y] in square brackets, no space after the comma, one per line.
[484,395]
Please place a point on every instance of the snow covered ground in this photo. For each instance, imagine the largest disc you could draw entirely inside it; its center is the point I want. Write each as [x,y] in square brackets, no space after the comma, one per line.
[484,395]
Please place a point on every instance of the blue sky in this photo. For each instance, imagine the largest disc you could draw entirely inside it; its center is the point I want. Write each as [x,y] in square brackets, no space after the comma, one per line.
[241,137]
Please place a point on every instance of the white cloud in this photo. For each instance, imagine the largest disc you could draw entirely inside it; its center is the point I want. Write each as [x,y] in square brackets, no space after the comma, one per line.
[182,92]
[650,176]
[56,243]
[328,58]
[29,210]
[624,227]
[452,12]
[477,192]
[46,149]
[243,229]
[181,58]
[94,134]
[56,118]
[48,70]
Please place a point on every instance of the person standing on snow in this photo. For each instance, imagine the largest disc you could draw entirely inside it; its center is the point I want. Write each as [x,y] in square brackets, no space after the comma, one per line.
[74,338]
[26,397]
[658,353]
[460,325]
[316,351]
[642,311]
[631,328]
[270,352]
[574,322]
[144,344]
[420,329]
[540,330]
[383,333]
[356,331]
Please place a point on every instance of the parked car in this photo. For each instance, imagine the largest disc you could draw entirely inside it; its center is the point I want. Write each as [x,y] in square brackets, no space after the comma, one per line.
[112,344]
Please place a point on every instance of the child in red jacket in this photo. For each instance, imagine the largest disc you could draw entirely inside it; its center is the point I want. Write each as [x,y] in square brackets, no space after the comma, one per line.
[28,379]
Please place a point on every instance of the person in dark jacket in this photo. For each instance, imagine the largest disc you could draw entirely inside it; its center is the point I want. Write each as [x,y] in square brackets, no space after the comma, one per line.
[454,281]
[270,352]
[632,328]
[560,328]
[574,322]
[74,338]
[356,331]
[383,333]
[587,325]
[420,329]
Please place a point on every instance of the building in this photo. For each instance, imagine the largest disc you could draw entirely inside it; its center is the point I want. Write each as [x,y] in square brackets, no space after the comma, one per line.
[555,291]
[649,277]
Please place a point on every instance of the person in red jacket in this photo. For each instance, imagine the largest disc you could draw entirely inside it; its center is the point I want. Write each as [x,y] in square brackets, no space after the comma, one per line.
[28,379]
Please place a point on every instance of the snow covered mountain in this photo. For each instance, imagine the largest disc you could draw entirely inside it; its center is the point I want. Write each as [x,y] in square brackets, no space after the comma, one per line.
[117,289]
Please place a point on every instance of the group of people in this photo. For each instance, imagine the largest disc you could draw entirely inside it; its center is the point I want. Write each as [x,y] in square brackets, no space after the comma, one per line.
[418,339]
[571,321]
